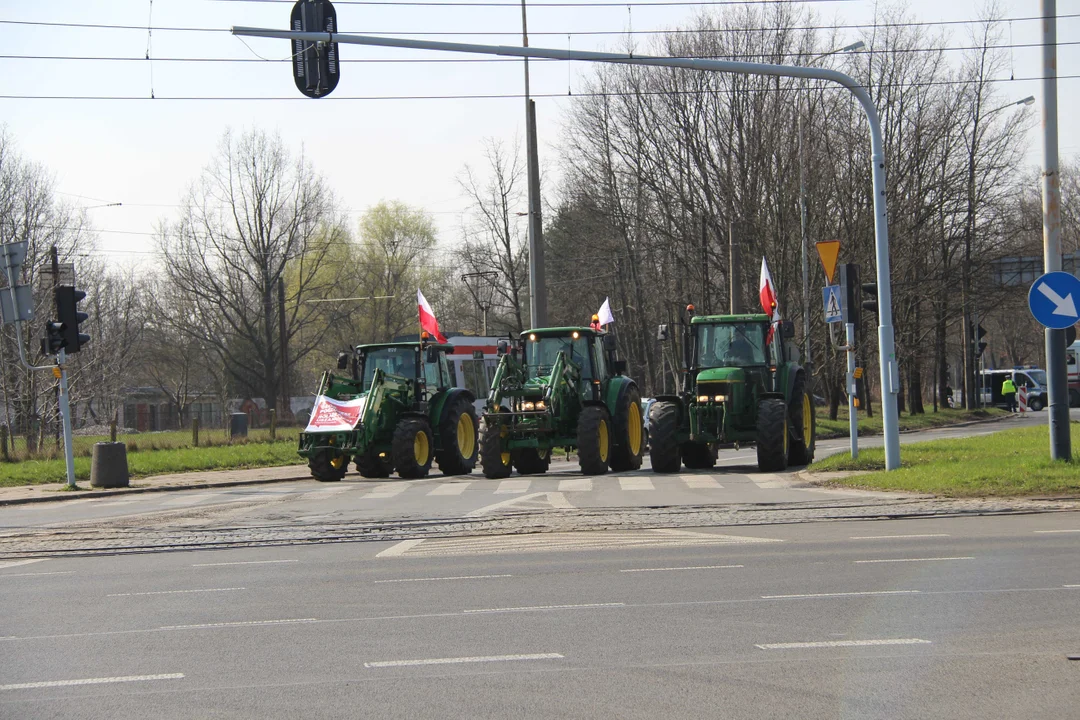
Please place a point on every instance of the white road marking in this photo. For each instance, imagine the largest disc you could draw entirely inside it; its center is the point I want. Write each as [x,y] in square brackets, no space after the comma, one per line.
[245,623]
[555,500]
[582,484]
[174,592]
[245,562]
[1071,586]
[767,481]
[399,549]
[453,661]
[387,490]
[69,572]
[458,577]
[91,681]
[117,502]
[450,488]
[930,559]
[189,499]
[537,608]
[1054,532]
[843,594]
[695,567]
[843,643]
[513,487]
[897,537]
[17,563]
[636,483]
[701,482]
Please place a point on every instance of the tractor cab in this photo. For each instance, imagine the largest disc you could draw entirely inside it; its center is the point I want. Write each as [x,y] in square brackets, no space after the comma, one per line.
[590,353]
[424,364]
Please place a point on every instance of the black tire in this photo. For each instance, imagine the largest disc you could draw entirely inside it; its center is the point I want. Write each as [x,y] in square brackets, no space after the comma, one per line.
[531,461]
[594,440]
[629,444]
[1035,404]
[1074,398]
[328,466]
[802,424]
[458,432]
[772,435]
[664,450]
[370,465]
[496,462]
[412,448]
[698,456]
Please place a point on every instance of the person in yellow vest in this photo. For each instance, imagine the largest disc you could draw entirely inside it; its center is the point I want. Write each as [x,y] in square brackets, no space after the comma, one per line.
[1008,391]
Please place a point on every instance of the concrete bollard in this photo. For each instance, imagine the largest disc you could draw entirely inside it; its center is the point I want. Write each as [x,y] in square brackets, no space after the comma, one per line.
[108,465]
[195,432]
[4,442]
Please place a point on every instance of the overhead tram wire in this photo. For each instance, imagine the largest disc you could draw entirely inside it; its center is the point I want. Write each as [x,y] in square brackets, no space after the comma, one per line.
[517,6]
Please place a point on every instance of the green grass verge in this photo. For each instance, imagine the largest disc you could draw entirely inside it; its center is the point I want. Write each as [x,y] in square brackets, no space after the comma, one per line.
[827,428]
[1011,462]
[83,445]
[159,462]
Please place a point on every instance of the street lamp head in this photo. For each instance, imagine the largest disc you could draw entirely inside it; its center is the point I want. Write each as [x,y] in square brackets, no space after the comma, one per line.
[1029,100]
[857,45]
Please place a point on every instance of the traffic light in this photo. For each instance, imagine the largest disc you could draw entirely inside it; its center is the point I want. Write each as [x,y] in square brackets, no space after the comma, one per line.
[850,291]
[870,289]
[67,310]
[54,338]
[977,333]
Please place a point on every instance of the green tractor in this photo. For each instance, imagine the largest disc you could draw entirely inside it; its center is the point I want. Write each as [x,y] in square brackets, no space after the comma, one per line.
[409,415]
[743,385]
[561,387]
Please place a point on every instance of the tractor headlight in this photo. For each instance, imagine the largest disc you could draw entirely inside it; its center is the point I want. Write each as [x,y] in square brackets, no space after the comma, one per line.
[720,398]
[703,398]
[540,405]
[527,406]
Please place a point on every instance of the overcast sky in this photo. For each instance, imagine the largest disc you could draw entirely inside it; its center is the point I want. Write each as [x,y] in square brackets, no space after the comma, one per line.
[144,152]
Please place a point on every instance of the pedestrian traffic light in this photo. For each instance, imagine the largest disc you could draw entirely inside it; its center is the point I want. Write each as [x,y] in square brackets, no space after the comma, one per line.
[54,338]
[870,289]
[67,309]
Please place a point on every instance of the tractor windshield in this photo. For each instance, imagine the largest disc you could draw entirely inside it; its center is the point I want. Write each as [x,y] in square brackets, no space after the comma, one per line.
[391,360]
[731,345]
[540,354]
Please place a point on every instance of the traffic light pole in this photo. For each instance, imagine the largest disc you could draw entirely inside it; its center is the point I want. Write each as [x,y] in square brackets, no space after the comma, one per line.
[65,414]
[890,374]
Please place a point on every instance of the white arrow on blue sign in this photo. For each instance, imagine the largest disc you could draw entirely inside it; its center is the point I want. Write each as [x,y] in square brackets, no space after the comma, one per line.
[833,309]
[1053,299]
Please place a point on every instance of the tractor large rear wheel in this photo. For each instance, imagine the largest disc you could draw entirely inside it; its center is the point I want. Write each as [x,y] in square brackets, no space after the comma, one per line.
[802,424]
[594,440]
[698,456]
[458,431]
[772,435]
[532,461]
[412,448]
[664,450]
[370,465]
[328,465]
[629,443]
[494,458]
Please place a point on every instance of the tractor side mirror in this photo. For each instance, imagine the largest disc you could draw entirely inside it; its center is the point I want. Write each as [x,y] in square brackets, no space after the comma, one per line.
[342,361]
[787,329]
[619,367]
[432,355]
[502,347]
[662,333]
[609,343]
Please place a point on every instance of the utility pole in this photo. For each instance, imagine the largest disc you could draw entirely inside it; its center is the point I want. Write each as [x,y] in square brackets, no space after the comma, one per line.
[735,286]
[1056,372]
[537,281]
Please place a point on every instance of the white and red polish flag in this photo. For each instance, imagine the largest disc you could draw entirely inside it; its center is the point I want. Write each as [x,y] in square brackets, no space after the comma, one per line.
[427,318]
[767,291]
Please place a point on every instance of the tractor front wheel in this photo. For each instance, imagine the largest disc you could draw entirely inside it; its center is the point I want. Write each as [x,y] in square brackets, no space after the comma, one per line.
[328,465]
[412,448]
[370,465]
[532,461]
[772,435]
[494,458]
[802,424]
[629,443]
[594,440]
[458,433]
[664,450]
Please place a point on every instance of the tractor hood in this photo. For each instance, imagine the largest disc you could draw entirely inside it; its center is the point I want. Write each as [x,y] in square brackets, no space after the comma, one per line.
[731,375]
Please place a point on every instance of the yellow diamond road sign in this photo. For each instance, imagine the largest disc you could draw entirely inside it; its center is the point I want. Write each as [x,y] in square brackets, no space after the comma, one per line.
[829,251]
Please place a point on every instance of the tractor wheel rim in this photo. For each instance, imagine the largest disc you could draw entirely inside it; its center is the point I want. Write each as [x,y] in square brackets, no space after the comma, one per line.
[466,437]
[420,448]
[542,454]
[602,438]
[634,426]
[785,434]
[807,421]
[338,462]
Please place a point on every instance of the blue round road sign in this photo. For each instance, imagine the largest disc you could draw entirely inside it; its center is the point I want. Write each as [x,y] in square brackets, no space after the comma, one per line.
[1053,300]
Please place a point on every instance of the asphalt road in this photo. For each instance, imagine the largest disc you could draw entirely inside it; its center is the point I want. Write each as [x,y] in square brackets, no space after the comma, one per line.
[941,618]
[734,480]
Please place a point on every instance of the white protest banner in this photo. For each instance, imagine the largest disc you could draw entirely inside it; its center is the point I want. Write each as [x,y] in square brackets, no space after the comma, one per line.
[330,415]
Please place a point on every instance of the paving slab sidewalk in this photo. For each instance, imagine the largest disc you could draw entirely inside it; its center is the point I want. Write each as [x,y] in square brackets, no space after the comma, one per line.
[157,483]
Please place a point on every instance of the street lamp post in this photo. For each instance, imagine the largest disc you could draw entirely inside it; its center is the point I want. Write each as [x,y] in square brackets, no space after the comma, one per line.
[971,372]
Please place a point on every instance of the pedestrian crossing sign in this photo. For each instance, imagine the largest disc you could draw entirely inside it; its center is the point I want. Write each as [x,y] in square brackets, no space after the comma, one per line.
[833,309]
